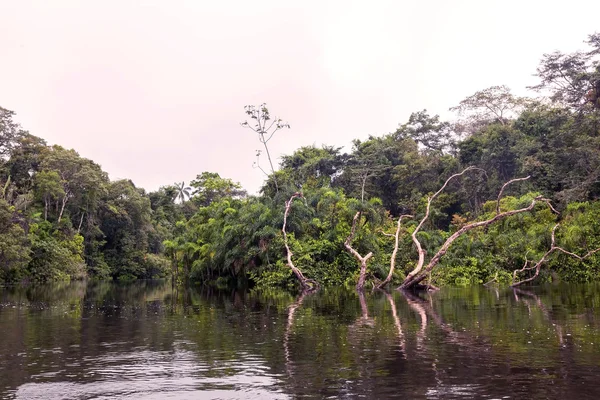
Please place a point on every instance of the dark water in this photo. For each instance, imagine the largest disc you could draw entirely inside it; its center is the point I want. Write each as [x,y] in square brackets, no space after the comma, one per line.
[148,341]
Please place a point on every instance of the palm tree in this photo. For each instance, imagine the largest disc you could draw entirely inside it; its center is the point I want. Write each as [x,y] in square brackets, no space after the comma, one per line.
[182,192]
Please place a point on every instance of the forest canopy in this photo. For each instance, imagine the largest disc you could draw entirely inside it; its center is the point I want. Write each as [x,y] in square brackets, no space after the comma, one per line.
[62,218]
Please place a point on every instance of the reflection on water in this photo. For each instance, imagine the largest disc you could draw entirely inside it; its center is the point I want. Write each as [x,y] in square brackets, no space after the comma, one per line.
[148,340]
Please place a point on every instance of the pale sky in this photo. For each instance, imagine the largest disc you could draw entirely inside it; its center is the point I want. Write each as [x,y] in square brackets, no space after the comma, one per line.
[154,90]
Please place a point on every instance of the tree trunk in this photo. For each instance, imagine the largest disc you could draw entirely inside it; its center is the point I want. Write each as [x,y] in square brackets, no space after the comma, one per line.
[80,222]
[388,279]
[362,260]
[62,208]
[307,284]
[419,274]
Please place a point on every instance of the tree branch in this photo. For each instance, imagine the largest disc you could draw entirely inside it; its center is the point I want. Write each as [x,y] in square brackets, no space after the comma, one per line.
[538,265]
[363,260]
[393,259]
[420,250]
[502,191]
[412,280]
[307,284]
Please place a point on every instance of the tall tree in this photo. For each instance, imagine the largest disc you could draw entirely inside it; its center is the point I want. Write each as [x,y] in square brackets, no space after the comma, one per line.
[183,192]
[495,104]
[10,132]
[265,128]
[210,187]
[429,131]
[572,79]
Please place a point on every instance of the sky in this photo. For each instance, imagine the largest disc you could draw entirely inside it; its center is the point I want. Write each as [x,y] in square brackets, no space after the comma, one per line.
[154,91]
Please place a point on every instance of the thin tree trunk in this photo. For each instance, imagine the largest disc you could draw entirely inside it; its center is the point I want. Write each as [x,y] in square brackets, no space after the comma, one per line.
[62,208]
[80,222]
[362,189]
[307,284]
[420,250]
[388,279]
[271,164]
[362,260]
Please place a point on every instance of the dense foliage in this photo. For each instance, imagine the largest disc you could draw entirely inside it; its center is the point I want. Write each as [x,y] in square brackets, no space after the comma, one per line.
[61,217]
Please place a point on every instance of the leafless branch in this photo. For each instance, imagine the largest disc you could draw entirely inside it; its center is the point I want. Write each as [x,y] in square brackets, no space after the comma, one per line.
[539,264]
[420,249]
[307,284]
[362,260]
[502,191]
[393,259]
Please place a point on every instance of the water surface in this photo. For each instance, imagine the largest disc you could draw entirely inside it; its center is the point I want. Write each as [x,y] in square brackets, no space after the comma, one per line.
[148,340]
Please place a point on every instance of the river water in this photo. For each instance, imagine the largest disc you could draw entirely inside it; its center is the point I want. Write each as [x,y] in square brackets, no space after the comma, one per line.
[148,340]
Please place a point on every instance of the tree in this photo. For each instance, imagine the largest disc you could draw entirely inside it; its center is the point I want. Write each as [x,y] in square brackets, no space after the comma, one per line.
[125,221]
[48,188]
[495,104]
[428,131]
[313,167]
[307,284]
[572,79]
[10,132]
[14,245]
[182,193]
[420,272]
[81,179]
[209,187]
[363,260]
[367,162]
[538,265]
[265,131]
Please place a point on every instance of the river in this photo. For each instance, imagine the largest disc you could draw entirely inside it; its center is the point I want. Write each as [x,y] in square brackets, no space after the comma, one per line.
[148,340]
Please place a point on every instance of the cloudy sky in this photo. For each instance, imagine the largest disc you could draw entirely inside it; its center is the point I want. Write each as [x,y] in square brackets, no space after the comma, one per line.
[154,90]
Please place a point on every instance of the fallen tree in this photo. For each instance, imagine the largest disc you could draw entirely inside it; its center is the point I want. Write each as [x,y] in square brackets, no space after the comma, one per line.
[307,284]
[538,266]
[420,272]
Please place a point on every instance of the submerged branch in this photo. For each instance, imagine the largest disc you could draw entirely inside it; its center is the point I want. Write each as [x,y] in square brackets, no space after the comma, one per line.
[538,265]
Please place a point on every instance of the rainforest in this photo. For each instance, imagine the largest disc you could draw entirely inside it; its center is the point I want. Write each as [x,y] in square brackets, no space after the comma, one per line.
[507,192]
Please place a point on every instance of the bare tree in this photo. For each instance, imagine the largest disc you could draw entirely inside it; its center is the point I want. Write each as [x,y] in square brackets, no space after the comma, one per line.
[265,127]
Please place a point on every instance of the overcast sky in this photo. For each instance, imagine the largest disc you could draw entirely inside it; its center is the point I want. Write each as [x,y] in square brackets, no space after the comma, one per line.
[154,90]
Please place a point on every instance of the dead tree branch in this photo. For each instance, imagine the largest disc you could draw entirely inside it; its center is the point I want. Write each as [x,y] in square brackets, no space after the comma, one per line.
[538,265]
[420,249]
[388,279]
[502,191]
[307,284]
[362,260]
[413,280]
[419,273]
